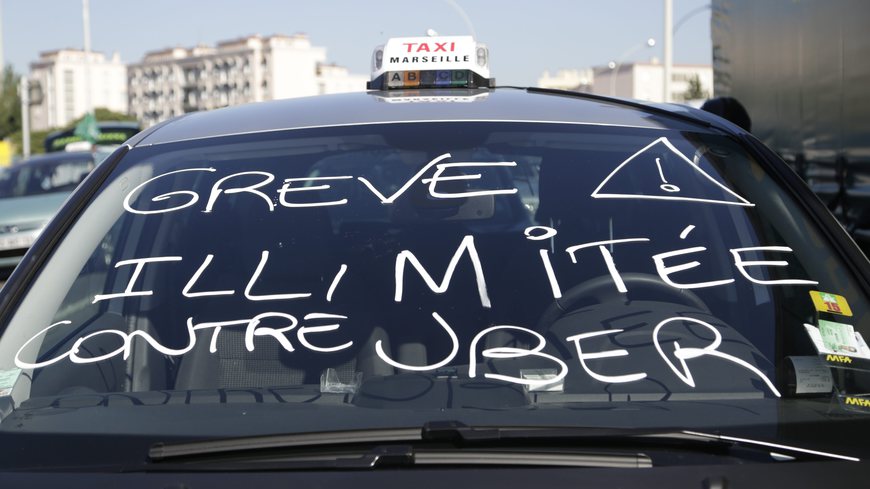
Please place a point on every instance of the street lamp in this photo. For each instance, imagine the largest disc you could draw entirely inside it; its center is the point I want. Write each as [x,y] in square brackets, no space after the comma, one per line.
[31,94]
[24,94]
[689,15]
[615,65]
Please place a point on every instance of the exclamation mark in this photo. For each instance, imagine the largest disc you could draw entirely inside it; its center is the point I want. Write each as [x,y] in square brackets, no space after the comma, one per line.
[667,187]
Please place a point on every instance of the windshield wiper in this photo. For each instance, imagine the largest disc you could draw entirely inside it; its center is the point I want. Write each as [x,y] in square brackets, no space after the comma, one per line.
[437,431]
[438,443]
[682,438]
[450,442]
[161,451]
[789,451]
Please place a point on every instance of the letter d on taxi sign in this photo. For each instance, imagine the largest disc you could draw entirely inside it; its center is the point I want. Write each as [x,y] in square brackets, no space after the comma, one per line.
[460,77]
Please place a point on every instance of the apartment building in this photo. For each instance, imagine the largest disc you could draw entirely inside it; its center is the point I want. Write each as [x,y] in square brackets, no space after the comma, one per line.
[61,77]
[175,81]
[643,81]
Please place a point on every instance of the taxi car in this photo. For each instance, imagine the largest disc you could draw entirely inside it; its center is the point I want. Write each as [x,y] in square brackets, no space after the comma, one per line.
[439,281]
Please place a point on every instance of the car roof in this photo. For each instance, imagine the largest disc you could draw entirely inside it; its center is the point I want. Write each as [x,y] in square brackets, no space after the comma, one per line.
[505,104]
[55,157]
[102,125]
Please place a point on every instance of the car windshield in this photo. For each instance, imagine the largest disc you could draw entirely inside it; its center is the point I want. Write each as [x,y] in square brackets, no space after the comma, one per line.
[43,177]
[386,275]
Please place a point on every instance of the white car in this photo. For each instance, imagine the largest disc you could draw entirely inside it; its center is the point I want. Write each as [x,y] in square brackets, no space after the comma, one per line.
[31,192]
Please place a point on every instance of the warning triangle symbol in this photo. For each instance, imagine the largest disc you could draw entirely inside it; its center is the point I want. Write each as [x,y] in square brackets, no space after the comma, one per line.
[660,171]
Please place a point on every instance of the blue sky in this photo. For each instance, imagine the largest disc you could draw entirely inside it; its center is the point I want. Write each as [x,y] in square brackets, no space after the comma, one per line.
[525,38]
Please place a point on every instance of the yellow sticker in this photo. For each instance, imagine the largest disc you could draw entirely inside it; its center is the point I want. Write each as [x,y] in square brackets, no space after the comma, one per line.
[838,358]
[856,401]
[833,303]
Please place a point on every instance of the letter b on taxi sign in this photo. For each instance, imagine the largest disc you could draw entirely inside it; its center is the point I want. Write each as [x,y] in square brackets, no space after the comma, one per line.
[412,78]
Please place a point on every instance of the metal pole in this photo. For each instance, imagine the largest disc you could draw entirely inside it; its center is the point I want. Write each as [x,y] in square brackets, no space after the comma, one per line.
[86,25]
[25,116]
[669,50]
[612,67]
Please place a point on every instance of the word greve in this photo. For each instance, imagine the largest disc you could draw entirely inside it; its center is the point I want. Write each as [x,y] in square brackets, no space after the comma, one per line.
[255,327]
[228,185]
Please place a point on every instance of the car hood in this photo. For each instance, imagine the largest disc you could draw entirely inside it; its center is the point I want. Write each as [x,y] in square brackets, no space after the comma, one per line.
[31,208]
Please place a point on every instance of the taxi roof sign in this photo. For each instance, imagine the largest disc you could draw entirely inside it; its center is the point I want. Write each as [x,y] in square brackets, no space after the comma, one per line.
[430,62]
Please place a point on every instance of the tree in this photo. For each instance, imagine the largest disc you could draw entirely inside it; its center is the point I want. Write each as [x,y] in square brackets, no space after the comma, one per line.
[695,91]
[10,103]
[37,141]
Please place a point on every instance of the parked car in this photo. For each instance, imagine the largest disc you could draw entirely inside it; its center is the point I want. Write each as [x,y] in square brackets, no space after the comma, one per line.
[109,134]
[31,192]
[438,282]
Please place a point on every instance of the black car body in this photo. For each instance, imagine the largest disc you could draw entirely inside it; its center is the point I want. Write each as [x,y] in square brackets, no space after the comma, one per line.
[477,287]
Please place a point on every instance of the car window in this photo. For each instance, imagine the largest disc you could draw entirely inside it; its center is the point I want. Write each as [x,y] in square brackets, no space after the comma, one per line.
[44,177]
[522,271]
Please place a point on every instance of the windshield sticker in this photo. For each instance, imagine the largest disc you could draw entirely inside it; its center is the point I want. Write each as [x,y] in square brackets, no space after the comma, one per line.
[543,375]
[7,380]
[832,303]
[812,376]
[669,174]
[331,383]
[842,338]
[859,404]
[837,341]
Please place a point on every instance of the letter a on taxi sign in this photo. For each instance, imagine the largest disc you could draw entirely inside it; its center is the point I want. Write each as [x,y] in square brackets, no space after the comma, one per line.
[395,79]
